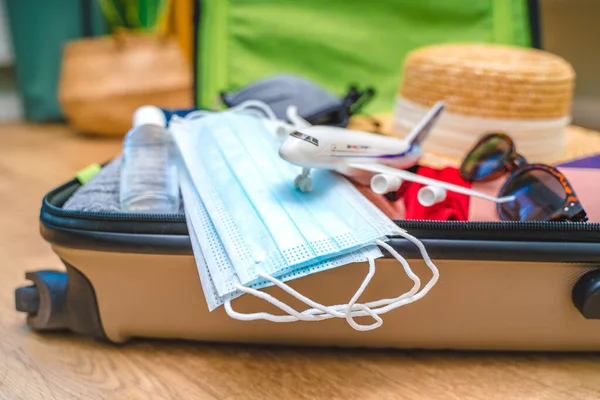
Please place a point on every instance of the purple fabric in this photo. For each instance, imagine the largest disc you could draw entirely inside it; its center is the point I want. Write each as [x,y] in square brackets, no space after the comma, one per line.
[592,162]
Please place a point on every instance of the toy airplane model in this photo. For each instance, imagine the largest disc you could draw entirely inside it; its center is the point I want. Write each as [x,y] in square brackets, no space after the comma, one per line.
[359,155]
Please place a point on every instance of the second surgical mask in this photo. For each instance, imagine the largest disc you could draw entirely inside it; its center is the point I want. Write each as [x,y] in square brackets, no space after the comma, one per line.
[252,228]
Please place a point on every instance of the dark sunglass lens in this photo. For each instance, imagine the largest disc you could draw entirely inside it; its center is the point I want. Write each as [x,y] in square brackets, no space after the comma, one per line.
[486,158]
[538,195]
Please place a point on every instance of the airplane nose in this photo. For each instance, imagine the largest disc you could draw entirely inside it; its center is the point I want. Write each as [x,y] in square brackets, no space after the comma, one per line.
[288,151]
[298,152]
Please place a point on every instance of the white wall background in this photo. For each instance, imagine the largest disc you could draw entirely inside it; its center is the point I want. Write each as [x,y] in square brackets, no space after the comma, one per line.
[6,55]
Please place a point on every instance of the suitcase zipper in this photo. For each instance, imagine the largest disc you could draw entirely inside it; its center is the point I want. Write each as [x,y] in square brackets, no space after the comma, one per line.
[106,216]
[501,226]
[54,200]
[528,230]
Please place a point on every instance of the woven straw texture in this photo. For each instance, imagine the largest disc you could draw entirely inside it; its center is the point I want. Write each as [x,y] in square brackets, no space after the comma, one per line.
[490,80]
[105,79]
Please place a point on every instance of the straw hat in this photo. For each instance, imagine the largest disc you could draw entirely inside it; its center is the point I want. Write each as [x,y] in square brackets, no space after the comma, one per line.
[501,87]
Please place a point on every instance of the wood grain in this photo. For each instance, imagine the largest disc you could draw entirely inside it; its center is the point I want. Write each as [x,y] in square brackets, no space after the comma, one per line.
[35,159]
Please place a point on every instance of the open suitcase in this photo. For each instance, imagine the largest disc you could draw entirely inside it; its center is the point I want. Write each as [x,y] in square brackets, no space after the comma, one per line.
[512,286]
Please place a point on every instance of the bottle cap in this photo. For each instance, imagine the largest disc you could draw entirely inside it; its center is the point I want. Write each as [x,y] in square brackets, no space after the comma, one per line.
[149,115]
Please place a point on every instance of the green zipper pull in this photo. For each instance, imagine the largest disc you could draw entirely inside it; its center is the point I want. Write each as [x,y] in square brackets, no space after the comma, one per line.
[84,175]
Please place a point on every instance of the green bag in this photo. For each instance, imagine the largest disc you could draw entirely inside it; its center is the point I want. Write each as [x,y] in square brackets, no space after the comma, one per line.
[338,42]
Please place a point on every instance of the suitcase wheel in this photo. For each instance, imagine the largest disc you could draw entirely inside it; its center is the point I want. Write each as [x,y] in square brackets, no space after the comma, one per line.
[44,301]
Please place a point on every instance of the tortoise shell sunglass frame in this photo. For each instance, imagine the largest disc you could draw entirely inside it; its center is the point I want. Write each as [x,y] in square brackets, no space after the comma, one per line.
[517,167]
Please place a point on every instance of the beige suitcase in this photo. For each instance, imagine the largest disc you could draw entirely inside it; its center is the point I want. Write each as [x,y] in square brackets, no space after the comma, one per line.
[502,286]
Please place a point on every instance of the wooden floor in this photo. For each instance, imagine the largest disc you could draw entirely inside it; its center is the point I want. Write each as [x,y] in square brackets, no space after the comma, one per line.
[34,160]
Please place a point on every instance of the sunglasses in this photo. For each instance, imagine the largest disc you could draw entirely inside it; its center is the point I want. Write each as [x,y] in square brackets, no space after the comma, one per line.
[541,192]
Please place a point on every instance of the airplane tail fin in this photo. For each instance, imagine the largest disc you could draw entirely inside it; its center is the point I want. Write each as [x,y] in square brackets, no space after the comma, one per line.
[421,131]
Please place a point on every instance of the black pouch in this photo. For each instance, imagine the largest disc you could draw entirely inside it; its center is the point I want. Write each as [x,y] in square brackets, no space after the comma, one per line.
[314,104]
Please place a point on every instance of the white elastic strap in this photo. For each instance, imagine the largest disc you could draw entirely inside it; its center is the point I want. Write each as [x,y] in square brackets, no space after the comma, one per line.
[348,314]
[399,302]
[295,118]
[384,302]
[292,317]
[245,106]
[347,311]
[262,106]
[317,313]
[387,305]
[409,272]
[282,128]
[197,114]
[350,310]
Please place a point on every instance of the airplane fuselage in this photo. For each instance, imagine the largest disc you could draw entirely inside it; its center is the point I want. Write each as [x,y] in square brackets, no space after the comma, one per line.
[335,148]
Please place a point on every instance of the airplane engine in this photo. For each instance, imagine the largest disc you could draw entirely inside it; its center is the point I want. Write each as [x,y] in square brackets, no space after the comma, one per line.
[430,195]
[382,183]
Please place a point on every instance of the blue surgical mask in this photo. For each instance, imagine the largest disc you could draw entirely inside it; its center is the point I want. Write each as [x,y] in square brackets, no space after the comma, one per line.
[217,274]
[253,229]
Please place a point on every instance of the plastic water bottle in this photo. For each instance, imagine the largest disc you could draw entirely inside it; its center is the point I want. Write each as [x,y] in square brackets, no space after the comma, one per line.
[149,181]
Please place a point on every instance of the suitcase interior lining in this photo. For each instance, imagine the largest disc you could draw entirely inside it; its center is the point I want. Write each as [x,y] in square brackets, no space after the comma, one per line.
[101,194]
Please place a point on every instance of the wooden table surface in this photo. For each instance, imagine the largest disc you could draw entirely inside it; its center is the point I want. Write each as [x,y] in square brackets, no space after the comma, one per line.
[35,159]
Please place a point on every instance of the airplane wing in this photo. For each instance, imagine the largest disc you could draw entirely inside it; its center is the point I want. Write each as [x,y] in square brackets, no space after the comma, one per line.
[409,176]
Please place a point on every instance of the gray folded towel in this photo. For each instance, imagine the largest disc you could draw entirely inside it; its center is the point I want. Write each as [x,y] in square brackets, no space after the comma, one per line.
[101,193]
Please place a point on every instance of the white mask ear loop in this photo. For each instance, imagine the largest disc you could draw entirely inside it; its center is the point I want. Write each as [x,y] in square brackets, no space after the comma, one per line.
[317,313]
[297,120]
[257,104]
[348,314]
[399,302]
[268,112]
[347,311]
[386,305]
[320,312]
[292,317]
[197,114]
[383,302]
